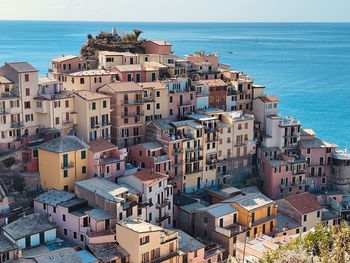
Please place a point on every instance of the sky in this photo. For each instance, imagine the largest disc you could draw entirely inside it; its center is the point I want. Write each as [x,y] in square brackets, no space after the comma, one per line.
[178,10]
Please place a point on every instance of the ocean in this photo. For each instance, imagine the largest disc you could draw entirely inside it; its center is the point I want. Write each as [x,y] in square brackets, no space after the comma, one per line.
[306,64]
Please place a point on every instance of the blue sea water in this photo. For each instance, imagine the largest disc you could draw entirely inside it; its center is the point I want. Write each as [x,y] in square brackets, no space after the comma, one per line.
[306,64]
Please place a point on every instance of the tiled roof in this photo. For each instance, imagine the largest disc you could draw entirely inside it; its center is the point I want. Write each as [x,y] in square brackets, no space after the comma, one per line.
[151,145]
[148,177]
[268,98]
[89,95]
[28,225]
[64,144]
[99,214]
[154,85]
[21,67]
[6,245]
[64,255]
[315,143]
[64,58]
[304,202]
[215,83]
[101,146]
[112,53]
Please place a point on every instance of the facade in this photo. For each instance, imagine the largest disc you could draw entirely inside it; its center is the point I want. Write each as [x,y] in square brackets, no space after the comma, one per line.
[8,250]
[341,170]
[127,117]
[264,106]
[62,161]
[190,249]
[4,207]
[109,59]
[106,160]
[217,93]
[94,119]
[202,89]
[66,64]
[303,208]
[154,189]
[160,47]
[147,242]
[30,231]
[86,80]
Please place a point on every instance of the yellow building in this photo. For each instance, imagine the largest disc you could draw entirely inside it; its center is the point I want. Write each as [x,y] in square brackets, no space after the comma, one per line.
[255,211]
[94,115]
[155,96]
[62,161]
[146,242]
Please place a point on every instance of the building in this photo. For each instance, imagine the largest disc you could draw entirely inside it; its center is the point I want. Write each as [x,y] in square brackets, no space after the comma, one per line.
[4,206]
[119,200]
[155,95]
[217,93]
[66,64]
[94,115]
[87,79]
[303,208]
[127,117]
[264,106]
[341,171]
[106,160]
[109,59]
[109,252]
[62,161]
[218,223]
[202,88]
[30,231]
[136,73]
[147,242]
[190,249]
[318,155]
[181,97]
[8,250]
[160,47]
[55,106]
[21,118]
[154,189]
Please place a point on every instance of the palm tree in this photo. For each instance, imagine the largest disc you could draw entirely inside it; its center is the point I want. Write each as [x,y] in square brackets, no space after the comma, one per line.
[137,33]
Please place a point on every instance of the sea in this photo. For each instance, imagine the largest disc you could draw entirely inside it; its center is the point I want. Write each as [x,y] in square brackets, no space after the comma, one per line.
[306,64]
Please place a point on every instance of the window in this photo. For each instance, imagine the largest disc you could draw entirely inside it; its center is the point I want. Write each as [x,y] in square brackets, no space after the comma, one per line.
[171,99]
[269,211]
[297,231]
[65,173]
[318,214]
[158,93]
[304,229]
[54,209]
[35,153]
[65,231]
[57,120]
[81,238]
[65,188]
[93,106]
[144,240]
[27,105]
[104,104]
[64,218]
[27,92]
[305,218]
[308,150]
[75,235]
[253,217]
[83,169]
[44,206]
[82,80]
[158,106]
[26,77]
[83,154]
[150,189]
[205,219]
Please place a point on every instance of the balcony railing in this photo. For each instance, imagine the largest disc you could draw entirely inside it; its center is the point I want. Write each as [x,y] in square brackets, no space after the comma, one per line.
[67,165]
[165,257]
[163,204]
[194,149]
[132,114]
[131,102]
[194,171]
[194,159]
[17,125]
[4,111]
[211,129]
[162,218]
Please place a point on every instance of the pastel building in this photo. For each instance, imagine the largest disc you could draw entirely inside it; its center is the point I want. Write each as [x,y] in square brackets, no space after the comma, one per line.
[202,89]
[155,94]
[8,250]
[264,106]
[127,117]
[341,170]
[106,160]
[181,97]
[231,99]
[282,175]
[109,59]
[245,90]
[303,208]
[154,189]
[66,64]
[22,119]
[160,47]
[190,249]
[94,118]
[62,161]
[55,107]
[30,231]
[318,155]
[87,80]
[135,73]
[147,242]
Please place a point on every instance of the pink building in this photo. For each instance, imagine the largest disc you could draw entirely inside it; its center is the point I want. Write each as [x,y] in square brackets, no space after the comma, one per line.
[160,47]
[150,155]
[282,175]
[106,160]
[76,220]
[66,64]
[135,73]
[318,154]
[182,98]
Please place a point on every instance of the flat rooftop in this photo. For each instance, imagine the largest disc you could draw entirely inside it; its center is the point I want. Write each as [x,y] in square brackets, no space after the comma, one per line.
[55,197]
[107,252]
[139,226]
[250,201]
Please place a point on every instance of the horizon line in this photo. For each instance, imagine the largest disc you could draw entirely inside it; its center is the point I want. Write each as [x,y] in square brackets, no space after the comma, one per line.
[179,22]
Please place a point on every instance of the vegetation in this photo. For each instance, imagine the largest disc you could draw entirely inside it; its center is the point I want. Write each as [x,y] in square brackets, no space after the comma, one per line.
[326,244]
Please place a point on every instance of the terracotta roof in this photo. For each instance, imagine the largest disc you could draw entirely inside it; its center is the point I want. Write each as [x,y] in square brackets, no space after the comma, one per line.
[101,146]
[153,85]
[122,86]
[268,98]
[304,203]
[215,83]
[148,177]
[89,95]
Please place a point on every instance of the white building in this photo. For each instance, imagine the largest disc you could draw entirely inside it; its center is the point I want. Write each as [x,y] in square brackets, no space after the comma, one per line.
[202,88]
[156,191]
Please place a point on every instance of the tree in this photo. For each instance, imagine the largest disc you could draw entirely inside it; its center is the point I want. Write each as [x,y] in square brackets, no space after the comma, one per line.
[137,33]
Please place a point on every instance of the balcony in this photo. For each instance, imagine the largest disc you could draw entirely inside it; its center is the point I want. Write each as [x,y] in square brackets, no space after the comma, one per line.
[163,204]
[68,122]
[264,220]
[194,149]
[165,257]
[212,160]
[132,114]
[67,165]
[131,102]
[194,171]
[17,125]
[148,99]
[231,230]
[211,129]
[213,139]
[177,164]
[4,111]
[106,123]
[162,218]
[176,151]
[194,159]
[301,171]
